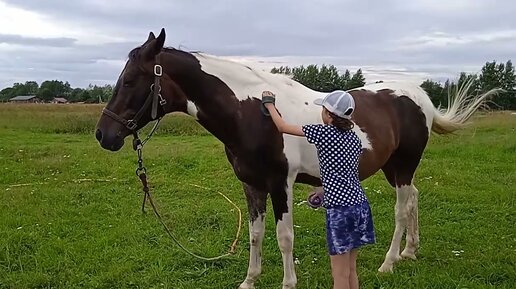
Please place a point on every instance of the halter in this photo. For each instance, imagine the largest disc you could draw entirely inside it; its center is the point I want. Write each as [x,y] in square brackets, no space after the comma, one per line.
[153,99]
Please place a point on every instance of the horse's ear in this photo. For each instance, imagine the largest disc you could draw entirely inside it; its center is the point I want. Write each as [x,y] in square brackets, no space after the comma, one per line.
[160,41]
[151,37]
[153,45]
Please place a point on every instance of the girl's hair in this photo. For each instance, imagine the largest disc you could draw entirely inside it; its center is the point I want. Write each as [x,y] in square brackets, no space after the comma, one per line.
[341,123]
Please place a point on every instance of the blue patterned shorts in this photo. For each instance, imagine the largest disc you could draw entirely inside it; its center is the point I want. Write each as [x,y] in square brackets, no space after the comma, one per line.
[349,227]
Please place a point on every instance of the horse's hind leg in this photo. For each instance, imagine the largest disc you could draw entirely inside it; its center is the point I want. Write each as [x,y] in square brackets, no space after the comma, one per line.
[256,202]
[412,237]
[282,203]
[401,219]
[399,172]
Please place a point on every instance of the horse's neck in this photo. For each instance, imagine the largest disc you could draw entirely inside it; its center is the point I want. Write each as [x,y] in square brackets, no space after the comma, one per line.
[222,106]
[211,102]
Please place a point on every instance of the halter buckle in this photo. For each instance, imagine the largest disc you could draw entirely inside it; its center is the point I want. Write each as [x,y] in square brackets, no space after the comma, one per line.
[158,70]
[131,124]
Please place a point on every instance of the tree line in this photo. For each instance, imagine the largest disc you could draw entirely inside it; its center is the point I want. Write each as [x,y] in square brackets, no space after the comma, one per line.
[50,89]
[323,78]
[327,78]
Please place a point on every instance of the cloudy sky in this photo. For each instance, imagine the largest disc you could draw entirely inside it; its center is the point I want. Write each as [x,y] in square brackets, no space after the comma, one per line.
[86,41]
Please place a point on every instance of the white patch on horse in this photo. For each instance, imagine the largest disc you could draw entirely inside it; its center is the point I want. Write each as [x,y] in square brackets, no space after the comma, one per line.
[285,237]
[404,206]
[192,110]
[293,100]
[362,135]
[256,233]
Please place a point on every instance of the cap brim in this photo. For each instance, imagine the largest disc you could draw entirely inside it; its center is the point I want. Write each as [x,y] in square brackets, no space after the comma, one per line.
[319,101]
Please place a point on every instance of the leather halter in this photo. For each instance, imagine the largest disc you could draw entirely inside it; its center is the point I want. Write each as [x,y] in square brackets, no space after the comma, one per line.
[152,100]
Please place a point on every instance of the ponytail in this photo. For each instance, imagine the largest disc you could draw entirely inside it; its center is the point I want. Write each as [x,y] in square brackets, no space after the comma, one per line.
[341,123]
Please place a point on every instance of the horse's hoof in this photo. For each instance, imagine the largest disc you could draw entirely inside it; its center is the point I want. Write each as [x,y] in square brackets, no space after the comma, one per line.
[386,268]
[408,255]
[246,285]
[291,284]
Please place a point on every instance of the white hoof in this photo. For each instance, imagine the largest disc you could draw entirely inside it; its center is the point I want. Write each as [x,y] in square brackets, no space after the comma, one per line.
[246,285]
[386,268]
[289,284]
[408,255]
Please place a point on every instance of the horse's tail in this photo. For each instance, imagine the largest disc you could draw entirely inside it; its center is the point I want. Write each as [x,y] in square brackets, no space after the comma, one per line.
[461,106]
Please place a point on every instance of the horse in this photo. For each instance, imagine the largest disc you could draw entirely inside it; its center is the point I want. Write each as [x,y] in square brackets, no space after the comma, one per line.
[393,120]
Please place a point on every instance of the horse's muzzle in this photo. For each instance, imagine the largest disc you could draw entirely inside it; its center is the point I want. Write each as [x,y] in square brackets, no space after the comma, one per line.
[112,143]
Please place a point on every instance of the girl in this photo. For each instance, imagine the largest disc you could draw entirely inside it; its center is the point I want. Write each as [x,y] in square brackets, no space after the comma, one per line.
[349,223]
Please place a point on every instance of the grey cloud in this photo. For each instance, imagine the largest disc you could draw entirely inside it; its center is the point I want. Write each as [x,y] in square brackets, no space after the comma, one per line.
[345,33]
[36,41]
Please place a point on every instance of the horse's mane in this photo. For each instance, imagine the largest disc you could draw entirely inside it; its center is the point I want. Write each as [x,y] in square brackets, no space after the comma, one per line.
[244,71]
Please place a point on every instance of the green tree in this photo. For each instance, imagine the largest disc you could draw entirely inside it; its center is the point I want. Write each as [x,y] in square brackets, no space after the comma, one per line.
[436,92]
[6,94]
[20,89]
[345,79]
[492,76]
[357,80]
[84,95]
[32,87]
[75,94]
[46,94]
[53,88]
[509,77]
[325,78]
[99,94]
[508,98]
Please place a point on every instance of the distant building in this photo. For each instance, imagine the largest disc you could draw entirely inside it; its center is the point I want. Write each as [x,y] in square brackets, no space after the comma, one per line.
[59,100]
[26,99]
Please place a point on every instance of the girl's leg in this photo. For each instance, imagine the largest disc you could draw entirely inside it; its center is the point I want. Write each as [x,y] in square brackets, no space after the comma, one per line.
[340,269]
[353,276]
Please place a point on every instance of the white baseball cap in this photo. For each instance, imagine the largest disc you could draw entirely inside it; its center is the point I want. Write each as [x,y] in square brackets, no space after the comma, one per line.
[339,103]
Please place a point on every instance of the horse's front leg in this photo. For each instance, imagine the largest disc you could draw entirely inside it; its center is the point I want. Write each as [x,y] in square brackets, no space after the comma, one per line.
[282,201]
[256,203]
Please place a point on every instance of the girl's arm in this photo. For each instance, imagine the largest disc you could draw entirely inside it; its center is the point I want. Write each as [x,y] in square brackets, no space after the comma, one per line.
[282,126]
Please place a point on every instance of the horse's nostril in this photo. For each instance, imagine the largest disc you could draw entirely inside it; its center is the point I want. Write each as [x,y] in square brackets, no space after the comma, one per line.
[98,135]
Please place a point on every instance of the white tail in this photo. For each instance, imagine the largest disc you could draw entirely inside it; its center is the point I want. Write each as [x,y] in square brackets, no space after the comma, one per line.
[460,108]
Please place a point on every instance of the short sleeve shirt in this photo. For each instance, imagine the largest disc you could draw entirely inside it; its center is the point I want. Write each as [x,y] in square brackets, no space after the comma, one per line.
[338,152]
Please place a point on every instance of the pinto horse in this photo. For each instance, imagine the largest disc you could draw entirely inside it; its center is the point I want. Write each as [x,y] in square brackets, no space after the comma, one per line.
[393,121]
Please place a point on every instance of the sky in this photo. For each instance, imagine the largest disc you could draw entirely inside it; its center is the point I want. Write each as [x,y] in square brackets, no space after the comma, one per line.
[87,41]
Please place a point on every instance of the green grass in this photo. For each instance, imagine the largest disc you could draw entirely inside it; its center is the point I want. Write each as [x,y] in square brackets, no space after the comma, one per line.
[70,211]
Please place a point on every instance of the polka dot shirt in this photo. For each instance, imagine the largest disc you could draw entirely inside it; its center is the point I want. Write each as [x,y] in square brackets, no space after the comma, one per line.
[338,153]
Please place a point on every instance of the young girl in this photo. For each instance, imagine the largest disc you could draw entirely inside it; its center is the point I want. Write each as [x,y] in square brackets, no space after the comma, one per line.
[349,223]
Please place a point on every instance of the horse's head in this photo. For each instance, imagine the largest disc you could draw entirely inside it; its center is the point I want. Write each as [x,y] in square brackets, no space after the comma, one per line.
[143,92]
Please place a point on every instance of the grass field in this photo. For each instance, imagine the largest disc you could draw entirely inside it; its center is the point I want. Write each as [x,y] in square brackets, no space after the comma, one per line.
[70,211]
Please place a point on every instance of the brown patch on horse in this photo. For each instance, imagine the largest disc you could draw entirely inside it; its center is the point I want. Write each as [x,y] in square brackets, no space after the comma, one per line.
[374,110]
[397,148]
[413,137]
[308,179]
[258,158]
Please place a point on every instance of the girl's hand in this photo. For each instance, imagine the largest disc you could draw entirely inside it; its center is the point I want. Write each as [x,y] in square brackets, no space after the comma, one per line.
[268,93]
[268,99]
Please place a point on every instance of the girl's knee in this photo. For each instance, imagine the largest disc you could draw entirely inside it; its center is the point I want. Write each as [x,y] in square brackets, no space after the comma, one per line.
[352,268]
[340,266]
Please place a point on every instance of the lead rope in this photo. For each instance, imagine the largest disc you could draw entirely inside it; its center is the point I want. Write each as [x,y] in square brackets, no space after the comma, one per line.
[141,172]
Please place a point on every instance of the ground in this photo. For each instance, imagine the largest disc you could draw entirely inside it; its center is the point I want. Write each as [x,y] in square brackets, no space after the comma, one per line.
[70,211]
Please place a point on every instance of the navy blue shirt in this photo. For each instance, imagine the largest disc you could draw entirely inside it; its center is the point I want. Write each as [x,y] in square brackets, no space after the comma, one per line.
[338,152]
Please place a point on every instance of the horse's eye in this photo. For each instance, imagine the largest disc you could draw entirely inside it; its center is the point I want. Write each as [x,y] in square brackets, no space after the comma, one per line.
[128,83]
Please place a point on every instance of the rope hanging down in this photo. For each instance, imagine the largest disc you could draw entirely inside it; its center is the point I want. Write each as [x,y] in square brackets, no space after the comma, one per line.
[141,172]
